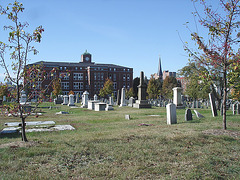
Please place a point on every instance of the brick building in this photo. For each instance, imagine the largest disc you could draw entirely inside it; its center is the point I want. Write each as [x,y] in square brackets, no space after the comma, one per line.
[88,76]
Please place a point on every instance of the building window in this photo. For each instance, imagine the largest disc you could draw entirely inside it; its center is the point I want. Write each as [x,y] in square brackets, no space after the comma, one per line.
[124,84]
[114,85]
[65,68]
[65,92]
[114,77]
[110,76]
[75,68]
[102,76]
[78,85]
[114,69]
[65,85]
[128,77]
[98,76]
[95,76]
[60,68]
[77,76]
[124,77]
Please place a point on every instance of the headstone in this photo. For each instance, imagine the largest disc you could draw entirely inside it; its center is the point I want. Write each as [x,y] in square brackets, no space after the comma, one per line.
[77,98]
[108,107]
[142,102]
[58,100]
[71,100]
[118,98]
[100,106]
[171,114]
[131,102]
[123,103]
[127,116]
[198,114]
[65,100]
[213,105]
[177,100]
[91,104]
[234,108]
[238,108]
[23,97]
[188,115]
[85,100]
[62,112]
[95,97]
[110,100]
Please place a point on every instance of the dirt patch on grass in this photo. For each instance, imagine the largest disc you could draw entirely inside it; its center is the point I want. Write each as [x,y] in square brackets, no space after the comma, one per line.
[19,144]
[218,132]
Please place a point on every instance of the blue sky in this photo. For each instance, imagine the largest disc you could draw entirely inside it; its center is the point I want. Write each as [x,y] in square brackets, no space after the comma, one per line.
[131,33]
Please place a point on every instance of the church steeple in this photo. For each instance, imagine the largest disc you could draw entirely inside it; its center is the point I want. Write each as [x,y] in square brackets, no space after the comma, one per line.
[159,72]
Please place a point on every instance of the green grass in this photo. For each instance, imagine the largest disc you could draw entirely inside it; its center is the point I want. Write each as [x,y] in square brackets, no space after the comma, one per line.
[106,146]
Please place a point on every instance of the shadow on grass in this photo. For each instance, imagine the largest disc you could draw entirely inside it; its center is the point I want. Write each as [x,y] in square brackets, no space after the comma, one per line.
[10,135]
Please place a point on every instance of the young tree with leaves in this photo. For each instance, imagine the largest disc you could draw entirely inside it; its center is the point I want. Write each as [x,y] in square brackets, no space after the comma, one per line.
[154,87]
[107,88]
[18,47]
[168,84]
[220,51]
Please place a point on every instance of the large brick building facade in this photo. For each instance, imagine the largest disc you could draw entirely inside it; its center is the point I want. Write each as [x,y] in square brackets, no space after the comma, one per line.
[88,76]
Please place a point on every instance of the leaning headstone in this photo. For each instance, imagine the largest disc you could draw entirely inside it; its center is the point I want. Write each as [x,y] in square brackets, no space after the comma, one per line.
[71,100]
[198,114]
[65,100]
[188,115]
[123,103]
[213,105]
[171,114]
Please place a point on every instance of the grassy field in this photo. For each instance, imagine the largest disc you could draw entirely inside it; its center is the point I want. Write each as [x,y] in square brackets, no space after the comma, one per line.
[106,146]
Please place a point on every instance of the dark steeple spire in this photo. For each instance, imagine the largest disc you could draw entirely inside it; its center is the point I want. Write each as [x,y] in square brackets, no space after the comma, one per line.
[159,73]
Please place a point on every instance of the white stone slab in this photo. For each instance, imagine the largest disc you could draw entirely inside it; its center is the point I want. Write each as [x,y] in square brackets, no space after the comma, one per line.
[32,123]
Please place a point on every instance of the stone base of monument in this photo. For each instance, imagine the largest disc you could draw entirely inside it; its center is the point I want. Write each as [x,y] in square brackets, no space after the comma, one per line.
[142,104]
[108,107]
[91,104]
[180,107]
[100,106]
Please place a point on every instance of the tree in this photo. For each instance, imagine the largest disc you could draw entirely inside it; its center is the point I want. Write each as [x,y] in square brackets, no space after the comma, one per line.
[136,82]
[107,88]
[220,51]
[18,47]
[168,84]
[234,81]
[129,93]
[154,87]
[56,87]
[196,88]
[4,90]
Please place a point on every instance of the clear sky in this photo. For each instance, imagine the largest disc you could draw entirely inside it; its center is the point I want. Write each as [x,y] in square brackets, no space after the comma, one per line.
[130,33]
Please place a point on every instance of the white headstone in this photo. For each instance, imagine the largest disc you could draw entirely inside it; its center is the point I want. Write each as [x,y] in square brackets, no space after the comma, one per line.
[110,100]
[95,97]
[177,99]
[85,100]
[65,100]
[23,98]
[71,100]
[171,114]
[123,103]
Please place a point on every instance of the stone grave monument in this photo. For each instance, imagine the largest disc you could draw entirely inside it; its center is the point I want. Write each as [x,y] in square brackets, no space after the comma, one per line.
[71,100]
[85,100]
[123,100]
[142,102]
[188,115]
[213,105]
[65,100]
[177,98]
[171,114]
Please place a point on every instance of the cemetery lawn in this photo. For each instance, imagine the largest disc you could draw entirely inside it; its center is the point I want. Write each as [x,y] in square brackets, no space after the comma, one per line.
[107,146]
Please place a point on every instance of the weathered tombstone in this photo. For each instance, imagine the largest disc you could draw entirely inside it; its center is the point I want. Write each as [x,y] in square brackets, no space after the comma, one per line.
[123,103]
[118,98]
[77,98]
[213,105]
[65,100]
[127,116]
[23,97]
[85,100]
[234,107]
[238,108]
[131,101]
[108,107]
[100,106]
[95,97]
[188,115]
[71,100]
[171,114]
[142,102]
[177,100]
[198,114]
[110,100]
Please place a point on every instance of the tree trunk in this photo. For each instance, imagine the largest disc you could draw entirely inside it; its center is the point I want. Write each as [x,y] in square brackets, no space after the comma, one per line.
[224,97]
[24,137]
